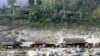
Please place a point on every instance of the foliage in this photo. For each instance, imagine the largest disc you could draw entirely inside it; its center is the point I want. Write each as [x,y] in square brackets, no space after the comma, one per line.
[96,14]
[47,12]
[21,40]
[11,1]
[16,32]
[9,32]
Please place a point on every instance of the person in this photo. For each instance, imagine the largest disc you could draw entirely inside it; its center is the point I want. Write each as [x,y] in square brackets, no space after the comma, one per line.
[43,45]
[55,54]
[39,54]
[87,45]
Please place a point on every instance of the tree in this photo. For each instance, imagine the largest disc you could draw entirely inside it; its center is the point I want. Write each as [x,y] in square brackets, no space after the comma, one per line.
[96,15]
[11,2]
[31,3]
[34,2]
[44,11]
[79,12]
[38,2]
[48,20]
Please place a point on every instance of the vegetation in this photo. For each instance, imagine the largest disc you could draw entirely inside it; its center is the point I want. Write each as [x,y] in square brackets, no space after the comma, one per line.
[47,12]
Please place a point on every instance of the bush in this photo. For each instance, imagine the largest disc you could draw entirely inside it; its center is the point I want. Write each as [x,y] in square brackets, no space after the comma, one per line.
[9,32]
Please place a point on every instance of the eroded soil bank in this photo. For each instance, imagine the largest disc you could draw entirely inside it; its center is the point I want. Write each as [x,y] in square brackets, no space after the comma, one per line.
[30,33]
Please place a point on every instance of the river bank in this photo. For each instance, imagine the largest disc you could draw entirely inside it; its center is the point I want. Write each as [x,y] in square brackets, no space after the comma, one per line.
[48,51]
[29,33]
[32,34]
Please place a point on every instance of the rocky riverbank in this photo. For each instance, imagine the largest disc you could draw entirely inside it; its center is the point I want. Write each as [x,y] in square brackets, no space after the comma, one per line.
[52,51]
